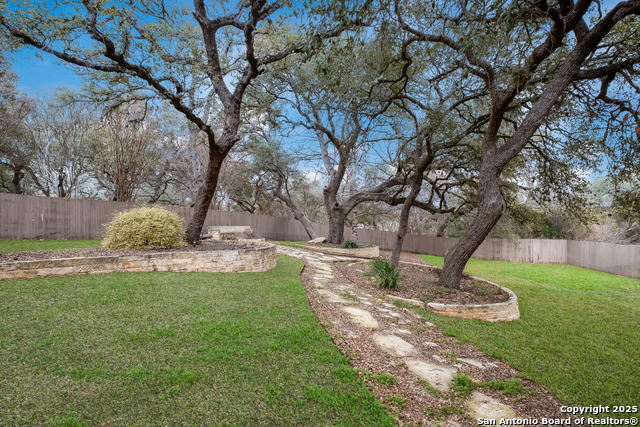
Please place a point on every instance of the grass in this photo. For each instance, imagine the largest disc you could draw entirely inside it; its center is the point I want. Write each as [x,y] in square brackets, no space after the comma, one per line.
[462,385]
[294,244]
[430,389]
[443,411]
[348,294]
[578,334]
[381,378]
[20,245]
[140,349]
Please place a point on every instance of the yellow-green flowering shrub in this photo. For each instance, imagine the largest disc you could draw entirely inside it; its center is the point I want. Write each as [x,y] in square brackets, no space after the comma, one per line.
[144,228]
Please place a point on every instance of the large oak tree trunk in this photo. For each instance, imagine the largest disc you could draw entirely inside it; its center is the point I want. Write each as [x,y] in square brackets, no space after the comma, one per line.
[336,224]
[404,219]
[297,213]
[490,209]
[205,195]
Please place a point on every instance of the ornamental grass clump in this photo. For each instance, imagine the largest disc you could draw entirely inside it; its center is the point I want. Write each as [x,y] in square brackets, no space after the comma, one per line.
[350,244]
[144,228]
[386,274]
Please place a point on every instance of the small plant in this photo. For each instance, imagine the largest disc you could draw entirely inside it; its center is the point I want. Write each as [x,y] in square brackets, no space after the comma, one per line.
[462,385]
[432,413]
[401,304]
[430,389]
[453,356]
[386,274]
[508,388]
[384,379]
[444,410]
[379,377]
[348,294]
[144,228]
[397,400]
[350,244]
[448,410]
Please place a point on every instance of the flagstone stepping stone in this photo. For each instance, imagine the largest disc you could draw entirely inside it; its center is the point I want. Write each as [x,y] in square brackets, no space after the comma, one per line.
[394,314]
[478,364]
[439,377]
[362,318]
[439,359]
[395,346]
[318,240]
[404,331]
[431,344]
[483,406]
[366,302]
[384,310]
[386,304]
[331,297]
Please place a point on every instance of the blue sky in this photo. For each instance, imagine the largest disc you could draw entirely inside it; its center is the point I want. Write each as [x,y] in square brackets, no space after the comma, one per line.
[39,76]
[45,75]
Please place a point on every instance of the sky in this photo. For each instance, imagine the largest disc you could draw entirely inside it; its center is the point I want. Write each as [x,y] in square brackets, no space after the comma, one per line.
[41,76]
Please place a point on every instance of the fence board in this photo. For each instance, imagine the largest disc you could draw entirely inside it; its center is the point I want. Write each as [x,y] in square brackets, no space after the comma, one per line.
[32,217]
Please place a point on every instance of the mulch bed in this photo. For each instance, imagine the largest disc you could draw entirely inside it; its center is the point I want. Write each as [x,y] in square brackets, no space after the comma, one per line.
[97,252]
[356,343]
[419,282]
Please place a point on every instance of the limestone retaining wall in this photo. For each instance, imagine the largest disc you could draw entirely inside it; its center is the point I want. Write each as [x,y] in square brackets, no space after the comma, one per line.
[498,312]
[260,259]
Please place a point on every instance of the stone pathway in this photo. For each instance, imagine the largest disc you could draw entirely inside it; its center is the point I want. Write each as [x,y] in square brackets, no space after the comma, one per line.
[437,375]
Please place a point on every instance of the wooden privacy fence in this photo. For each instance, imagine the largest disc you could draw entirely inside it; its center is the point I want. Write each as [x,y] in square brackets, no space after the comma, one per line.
[32,217]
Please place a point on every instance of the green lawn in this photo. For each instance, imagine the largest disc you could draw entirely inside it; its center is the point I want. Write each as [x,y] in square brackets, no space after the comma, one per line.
[578,334]
[294,244]
[19,245]
[175,349]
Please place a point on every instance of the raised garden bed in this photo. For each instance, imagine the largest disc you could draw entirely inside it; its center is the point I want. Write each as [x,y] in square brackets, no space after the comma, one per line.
[212,258]
[477,298]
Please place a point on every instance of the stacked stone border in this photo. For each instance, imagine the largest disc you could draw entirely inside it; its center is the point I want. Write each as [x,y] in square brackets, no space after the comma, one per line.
[498,312]
[259,259]
[366,252]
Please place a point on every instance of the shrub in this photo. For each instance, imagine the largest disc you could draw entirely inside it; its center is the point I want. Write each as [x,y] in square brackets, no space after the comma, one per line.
[386,274]
[350,244]
[144,228]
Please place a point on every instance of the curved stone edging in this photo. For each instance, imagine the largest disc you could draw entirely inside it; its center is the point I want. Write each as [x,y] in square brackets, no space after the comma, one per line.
[260,259]
[498,312]
[368,252]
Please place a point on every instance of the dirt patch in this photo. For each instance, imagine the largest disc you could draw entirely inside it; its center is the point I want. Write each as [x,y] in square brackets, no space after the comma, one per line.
[419,282]
[96,252]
